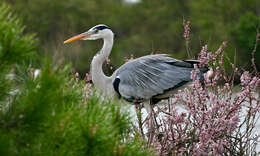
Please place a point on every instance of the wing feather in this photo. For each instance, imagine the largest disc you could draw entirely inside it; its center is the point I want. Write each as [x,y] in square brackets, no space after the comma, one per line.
[152,75]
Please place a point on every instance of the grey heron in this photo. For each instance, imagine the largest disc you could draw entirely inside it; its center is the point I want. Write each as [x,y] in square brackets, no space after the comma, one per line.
[148,78]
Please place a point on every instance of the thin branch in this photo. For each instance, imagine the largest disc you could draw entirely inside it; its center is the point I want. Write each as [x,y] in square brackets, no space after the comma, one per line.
[254,51]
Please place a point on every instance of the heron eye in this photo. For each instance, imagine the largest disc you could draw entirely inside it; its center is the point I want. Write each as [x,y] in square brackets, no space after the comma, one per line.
[95,31]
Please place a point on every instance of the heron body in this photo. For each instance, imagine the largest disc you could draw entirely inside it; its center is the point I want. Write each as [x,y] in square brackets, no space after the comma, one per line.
[151,77]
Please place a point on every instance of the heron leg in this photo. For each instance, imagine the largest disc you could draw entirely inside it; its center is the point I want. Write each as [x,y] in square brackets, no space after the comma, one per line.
[149,111]
[152,123]
[139,118]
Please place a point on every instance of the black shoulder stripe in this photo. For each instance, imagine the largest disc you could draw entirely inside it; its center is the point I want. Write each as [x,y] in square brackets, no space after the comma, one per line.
[181,64]
[116,87]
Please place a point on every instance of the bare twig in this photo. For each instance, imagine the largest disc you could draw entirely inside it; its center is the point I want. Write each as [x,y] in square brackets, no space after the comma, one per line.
[254,51]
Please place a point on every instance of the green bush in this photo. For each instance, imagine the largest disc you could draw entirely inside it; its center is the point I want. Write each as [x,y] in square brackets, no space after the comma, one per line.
[15,48]
[50,116]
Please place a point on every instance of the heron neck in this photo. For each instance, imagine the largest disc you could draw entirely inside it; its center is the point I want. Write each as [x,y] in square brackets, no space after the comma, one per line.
[100,80]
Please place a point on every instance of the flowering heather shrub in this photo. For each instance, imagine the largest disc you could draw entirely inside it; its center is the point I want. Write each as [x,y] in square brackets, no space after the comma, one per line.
[216,120]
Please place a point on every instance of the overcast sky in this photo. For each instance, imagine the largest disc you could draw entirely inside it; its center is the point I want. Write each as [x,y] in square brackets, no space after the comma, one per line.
[132,1]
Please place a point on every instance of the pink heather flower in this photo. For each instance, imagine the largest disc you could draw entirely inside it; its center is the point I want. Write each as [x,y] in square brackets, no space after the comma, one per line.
[220,49]
[76,76]
[129,59]
[154,53]
[204,56]
[255,82]
[186,25]
[88,77]
[245,78]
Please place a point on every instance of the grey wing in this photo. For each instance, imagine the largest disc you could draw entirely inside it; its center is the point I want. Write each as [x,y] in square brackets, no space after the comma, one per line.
[149,76]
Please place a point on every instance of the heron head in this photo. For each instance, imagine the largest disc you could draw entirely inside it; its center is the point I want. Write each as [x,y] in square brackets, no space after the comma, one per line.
[97,32]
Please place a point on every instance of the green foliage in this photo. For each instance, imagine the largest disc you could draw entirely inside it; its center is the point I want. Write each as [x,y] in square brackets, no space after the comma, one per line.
[245,31]
[15,48]
[50,116]
[244,34]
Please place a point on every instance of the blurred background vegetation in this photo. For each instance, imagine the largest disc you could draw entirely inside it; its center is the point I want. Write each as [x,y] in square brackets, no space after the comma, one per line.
[142,27]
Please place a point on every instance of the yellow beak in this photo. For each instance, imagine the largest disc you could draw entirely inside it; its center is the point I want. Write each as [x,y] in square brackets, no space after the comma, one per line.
[77,37]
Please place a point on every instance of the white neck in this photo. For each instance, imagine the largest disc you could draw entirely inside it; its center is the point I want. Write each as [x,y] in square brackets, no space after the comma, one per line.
[100,80]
